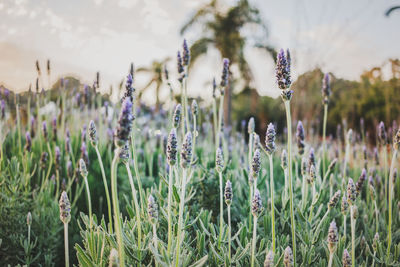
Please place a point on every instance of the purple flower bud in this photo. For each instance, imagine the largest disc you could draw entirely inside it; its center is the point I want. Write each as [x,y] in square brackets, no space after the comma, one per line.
[57,157]
[180,62]
[84,153]
[43,159]
[129,90]
[311,158]
[225,73]
[67,145]
[44,129]
[54,125]
[326,88]
[70,171]
[83,133]
[186,53]
[125,121]
[28,145]
[282,70]
[382,134]
[300,137]
[3,109]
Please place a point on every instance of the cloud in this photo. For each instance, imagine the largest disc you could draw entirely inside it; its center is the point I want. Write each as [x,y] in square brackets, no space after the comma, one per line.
[156,18]
[98,2]
[57,22]
[127,3]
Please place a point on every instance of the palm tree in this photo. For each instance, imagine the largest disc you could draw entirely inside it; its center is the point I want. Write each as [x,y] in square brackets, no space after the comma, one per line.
[223,31]
[156,77]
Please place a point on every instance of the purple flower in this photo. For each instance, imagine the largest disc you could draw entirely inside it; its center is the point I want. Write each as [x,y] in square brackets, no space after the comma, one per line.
[67,145]
[54,124]
[84,153]
[45,133]
[382,134]
[282,71]
[3,109]
[180,62]
[125,121]
[225,73]
[129,90]
[33,126]
[326,88]
[300,137]
[28,145]
[186,53]
[57,157]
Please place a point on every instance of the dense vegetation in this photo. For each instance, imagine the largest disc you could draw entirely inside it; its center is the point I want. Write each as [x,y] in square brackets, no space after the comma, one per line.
[123,184]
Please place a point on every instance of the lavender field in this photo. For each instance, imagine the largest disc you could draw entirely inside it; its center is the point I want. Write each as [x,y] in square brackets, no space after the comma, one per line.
[98,177]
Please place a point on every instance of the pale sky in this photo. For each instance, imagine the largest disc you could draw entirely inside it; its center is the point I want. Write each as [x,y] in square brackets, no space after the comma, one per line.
[81,37]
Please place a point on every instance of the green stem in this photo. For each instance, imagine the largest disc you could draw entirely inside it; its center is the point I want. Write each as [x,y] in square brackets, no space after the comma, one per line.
[229,233]
[344,226]
[117,219]
[180,219]
[390,191]
[330,259]
[155,241]
[89,200]
[271,182]
[220,113]
[103,174]
[19,128]
[186,101]
[221,210]
[289,148]
[385,166]
[376,216]
[137,209]
[170,181]
[214,105]
[310,217]
[66,244]
[353,236]
[135,167]
[254,240]
[324,140]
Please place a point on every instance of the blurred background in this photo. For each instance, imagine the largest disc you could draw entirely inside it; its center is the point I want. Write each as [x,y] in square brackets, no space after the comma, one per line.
[356,42]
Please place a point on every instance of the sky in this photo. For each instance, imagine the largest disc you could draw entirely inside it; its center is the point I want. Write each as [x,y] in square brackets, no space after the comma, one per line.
[81,37]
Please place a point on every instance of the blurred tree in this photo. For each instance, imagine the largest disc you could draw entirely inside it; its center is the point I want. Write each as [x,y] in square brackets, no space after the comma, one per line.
[223,30]
[156,77]
[390,10]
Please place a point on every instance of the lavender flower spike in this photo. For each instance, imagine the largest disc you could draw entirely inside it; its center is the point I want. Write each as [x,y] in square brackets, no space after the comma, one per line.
[228,193]
[300,137]
[270,139]
[225,73]
[326,88]
[186,151]
[256,204]
[282,71]
[177,115]
[129,90]
[28,145]
[93,133]
[44,128]
[382,133]
[179,62]
[186,53]
[125,121]
[172,147]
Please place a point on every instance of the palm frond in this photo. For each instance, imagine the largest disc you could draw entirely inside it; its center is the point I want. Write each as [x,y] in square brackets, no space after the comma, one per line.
[199,48]
[202,12]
